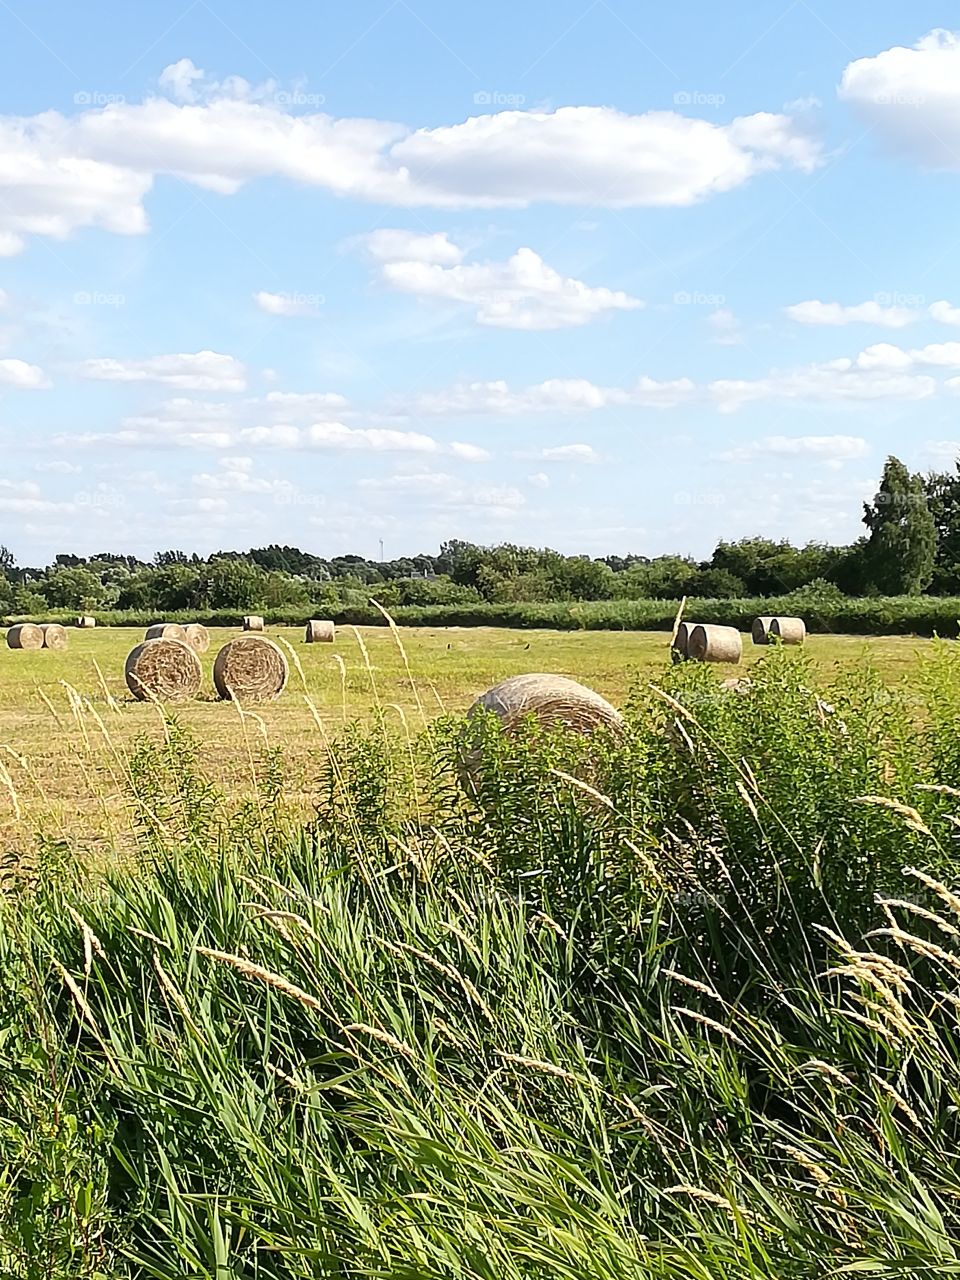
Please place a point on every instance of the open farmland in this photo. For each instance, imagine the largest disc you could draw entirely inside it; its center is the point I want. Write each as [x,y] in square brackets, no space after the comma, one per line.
[65,777]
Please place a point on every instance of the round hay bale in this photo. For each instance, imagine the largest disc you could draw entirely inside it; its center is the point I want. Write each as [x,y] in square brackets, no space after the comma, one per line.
[166,631]
[554,700]
[197,637]
[252,622]
[681,641]
[25,635]
[320,632]
[708,643]
[54,636]
[789,630]
[85,621]
[164,669]
[761,629]
[250,669]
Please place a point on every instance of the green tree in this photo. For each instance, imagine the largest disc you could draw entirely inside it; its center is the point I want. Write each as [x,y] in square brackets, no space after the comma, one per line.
[902,546]
[943,497]
[72,588]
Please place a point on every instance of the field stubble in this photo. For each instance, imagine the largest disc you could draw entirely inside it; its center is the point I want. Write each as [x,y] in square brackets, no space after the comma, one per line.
[61,754]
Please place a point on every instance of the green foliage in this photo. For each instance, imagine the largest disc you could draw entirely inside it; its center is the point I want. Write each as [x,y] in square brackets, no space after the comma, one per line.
[618,1007]
[901,551]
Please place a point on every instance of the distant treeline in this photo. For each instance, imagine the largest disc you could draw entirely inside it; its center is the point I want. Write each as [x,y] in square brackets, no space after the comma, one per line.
[912,547]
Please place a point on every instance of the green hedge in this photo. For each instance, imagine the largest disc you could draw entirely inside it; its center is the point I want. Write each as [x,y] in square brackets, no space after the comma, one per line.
[895,615]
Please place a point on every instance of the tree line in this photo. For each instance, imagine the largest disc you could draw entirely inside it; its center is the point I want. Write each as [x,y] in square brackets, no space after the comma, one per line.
[911,545]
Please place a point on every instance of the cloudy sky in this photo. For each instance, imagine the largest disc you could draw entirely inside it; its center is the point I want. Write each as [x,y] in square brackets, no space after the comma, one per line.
[600,276]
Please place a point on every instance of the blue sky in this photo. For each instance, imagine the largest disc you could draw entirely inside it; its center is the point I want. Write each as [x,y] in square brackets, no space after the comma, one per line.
[598,276]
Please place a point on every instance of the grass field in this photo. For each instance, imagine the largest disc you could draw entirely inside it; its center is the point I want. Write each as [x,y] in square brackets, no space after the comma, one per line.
[677,1002]
[61,768]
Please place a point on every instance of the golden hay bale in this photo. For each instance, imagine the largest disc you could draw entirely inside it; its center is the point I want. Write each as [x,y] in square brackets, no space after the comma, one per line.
[554,700]
[761,629]
[54,636]
[166,631]
[165,669]
[197,637]
[85,621]
[681,641]
[25,635]
[250,669]
[320,632]
[708,643]
[252,622]
[789,630]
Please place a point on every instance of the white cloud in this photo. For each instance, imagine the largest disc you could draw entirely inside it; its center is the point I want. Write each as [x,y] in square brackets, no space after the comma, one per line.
[287,304]
[944,313]
[942,452]
[832,450]
[521,293]
[911,98]
[539,480]
[94,169]
[725,328]
[26,377]
[200,371]
[442,491]
[556,395]
[179,80]
[469,452]
[394,245]
[23,497]
[569,453]
[835,313]
[58,467]
[304,402]
[595,156]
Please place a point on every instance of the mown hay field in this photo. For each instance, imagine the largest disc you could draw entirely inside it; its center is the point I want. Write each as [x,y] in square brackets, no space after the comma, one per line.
[61,757]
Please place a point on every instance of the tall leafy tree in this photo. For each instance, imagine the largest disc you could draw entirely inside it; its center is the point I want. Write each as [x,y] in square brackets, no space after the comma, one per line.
[902,546]
[943,498]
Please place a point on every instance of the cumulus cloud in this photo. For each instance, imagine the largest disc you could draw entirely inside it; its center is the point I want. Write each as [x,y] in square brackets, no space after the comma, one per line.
[836,313]
[569,453]
[556,395]
[439,490]
[911,98]
[833,450]
[95,168]
[521,293]
[27,377]
[394,245]
[469,452]
[725,328]
[199,371]
[944,313]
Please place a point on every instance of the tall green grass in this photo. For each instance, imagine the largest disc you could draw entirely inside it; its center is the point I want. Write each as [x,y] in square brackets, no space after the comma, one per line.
[681,1002]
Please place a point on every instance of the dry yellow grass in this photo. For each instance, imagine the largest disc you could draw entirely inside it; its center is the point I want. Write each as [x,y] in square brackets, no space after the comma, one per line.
[64,780]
